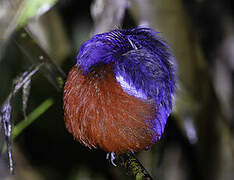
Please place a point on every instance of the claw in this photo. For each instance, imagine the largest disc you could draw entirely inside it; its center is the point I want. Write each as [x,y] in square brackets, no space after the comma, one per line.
[111,157]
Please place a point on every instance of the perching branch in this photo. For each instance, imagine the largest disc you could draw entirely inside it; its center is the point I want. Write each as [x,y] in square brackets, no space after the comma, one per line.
[129,162]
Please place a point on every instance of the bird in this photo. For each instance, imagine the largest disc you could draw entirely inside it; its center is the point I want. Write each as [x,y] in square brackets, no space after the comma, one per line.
[119,94]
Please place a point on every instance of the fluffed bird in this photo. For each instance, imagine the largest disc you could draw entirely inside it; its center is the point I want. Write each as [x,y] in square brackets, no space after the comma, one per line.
[120,93]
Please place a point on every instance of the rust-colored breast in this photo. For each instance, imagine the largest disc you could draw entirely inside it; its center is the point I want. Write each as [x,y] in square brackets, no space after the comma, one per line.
[100,114]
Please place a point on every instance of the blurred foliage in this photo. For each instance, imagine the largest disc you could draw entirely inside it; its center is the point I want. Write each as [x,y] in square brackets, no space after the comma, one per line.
[34,8]
[16,13]
[198,141]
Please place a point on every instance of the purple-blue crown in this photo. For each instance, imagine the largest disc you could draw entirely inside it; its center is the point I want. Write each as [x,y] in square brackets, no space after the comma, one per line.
[143,65]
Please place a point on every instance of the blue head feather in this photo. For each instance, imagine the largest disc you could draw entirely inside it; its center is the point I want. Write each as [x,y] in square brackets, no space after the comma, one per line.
[143,65]
[102,49]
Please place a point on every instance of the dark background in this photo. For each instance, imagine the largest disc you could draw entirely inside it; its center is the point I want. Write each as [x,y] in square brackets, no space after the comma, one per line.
[198,140]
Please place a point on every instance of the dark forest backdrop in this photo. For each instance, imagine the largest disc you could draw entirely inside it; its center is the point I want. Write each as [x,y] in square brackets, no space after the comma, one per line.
[199,138]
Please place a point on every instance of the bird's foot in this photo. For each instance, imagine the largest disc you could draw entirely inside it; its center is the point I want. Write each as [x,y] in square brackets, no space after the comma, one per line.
[111,157]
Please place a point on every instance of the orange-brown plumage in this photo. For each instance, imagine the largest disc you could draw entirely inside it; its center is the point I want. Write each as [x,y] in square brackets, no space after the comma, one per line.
[100,114]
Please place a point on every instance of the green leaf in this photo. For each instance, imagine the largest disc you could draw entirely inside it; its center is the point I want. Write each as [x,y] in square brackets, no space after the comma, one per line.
[31,117]
[34,8]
